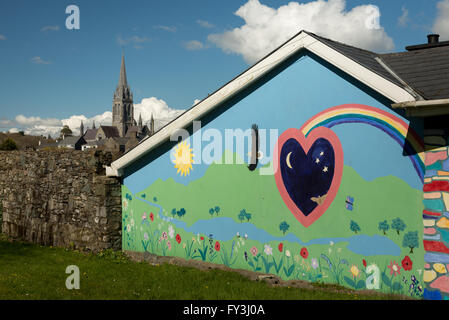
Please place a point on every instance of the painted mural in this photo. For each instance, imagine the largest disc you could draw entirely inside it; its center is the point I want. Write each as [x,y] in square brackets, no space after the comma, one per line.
[343,204]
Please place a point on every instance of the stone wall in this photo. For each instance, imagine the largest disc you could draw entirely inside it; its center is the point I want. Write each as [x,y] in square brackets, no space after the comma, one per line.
[60,198]
[436,215]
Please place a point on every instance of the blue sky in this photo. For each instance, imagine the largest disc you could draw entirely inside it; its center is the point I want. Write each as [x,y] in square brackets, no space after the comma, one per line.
[49,72]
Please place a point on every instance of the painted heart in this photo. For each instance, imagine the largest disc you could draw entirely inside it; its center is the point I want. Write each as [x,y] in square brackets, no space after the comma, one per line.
[308,171]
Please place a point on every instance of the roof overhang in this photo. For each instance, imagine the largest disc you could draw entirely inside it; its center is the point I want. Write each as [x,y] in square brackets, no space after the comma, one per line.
[300,41]
[424,108]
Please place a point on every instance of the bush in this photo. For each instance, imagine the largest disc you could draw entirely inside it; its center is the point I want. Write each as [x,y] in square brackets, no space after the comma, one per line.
[8,145]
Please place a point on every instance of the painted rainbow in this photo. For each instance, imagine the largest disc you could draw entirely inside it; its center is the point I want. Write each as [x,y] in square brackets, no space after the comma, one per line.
[395,127]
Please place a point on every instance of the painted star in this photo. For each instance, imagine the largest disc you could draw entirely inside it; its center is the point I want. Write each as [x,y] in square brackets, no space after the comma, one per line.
[325,169]
[321,153]
[317,160]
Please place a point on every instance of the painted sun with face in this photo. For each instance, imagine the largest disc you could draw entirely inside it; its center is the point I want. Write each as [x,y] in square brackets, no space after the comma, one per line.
[183,158]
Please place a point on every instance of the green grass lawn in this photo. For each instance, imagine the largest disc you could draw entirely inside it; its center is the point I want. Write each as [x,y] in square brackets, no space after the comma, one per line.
[34,272]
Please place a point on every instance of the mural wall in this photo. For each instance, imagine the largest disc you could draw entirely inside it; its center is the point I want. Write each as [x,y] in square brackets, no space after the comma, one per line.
[343,203]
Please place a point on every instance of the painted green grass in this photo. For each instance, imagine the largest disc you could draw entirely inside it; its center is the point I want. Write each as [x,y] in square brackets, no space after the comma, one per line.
[34,272]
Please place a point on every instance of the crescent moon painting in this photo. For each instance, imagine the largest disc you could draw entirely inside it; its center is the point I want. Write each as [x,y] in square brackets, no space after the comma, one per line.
[288,161]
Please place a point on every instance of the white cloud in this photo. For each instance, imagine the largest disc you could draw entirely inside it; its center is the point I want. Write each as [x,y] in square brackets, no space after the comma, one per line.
[267,28]
[441,24]
[50,28]
[161,112]
[166,28]
[205,24]
[135,41]
[2,37]
[193,45]
[39,60]
[404,18]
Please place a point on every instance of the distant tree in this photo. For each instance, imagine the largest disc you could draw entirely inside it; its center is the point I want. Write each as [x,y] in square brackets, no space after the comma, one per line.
[411,240]
[398,225]
[217,210]
[8,145]
[354,226]
[384,226]
[22,133]
[242,215]
[284,226]
[66,132]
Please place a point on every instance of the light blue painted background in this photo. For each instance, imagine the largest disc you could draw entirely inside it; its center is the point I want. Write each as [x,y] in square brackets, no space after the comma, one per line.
[288,100]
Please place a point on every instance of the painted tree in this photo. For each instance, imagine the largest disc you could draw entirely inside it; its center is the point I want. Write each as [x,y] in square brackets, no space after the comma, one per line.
[354,226]
[181,212]
[248,216]
[384,226]
[411,240]
[398,225]
[242,215]
[211,212]
[217,210]
[173,212]
[284,226]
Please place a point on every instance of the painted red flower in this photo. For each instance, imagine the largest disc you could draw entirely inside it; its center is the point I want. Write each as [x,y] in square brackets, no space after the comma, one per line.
[178,238]
[280,247]
[151,216]
[217,246]
[304,253]
[395,269]
[407,263]
[364,263]
[202,238]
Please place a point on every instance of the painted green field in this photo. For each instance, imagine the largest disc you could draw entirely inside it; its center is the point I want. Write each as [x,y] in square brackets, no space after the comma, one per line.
[328,260]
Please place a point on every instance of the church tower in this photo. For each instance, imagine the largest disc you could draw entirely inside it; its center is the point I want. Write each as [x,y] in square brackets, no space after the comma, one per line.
[122,107]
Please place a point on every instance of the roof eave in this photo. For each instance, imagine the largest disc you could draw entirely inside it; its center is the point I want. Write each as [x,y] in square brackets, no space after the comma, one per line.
[425,108]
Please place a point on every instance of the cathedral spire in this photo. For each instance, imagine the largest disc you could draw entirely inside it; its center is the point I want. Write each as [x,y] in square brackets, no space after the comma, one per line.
[122,82]
[81,129]
[140,120]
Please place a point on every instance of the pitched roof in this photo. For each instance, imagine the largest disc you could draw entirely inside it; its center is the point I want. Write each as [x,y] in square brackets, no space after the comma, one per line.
[110,131]
[426,71]
[90,134]
[70,141]
[365,66]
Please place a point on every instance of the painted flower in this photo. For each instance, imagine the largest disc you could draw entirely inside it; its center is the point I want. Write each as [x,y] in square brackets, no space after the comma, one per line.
[304,253]
[268,250]
[364,262]
[171,231]
[202,238]
[254,251]
[238,234]
[144,216]
[164,235]
[287,253]
[178,238]
[125,204]
[280,247]
[354,271]
[407,263]
[145,236]
[151,216]
[169,245]
[128,228]
[314,263]
[394,268]
[331,243]
[246,236]
[217,246]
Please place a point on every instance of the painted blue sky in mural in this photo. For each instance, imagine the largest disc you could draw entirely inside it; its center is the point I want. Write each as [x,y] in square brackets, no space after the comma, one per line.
[176,51]
[301,96]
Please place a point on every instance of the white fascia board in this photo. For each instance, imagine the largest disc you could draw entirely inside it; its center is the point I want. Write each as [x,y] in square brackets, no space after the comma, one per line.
[300,41]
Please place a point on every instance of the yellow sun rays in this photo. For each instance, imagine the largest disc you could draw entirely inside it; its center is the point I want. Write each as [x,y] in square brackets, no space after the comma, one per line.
[183,158]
